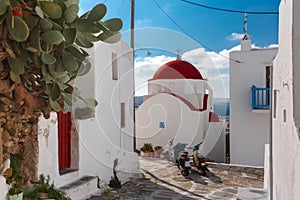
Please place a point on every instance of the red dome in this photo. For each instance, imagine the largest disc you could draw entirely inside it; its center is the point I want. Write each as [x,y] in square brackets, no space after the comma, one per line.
[177,69]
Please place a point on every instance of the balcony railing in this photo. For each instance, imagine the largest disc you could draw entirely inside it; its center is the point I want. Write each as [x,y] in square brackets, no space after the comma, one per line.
[260,98]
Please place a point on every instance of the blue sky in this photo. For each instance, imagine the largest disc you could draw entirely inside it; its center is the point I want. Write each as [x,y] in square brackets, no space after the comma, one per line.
[220,31]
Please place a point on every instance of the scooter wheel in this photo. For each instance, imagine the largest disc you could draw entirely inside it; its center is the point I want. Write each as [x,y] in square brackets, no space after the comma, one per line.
[185,172]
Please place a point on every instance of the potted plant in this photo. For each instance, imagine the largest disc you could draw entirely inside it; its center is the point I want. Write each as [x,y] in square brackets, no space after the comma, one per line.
[14,178]
[43,189]
[158,150]
[146,150]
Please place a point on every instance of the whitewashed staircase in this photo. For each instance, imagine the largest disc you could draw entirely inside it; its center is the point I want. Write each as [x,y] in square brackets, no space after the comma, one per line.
[82,188]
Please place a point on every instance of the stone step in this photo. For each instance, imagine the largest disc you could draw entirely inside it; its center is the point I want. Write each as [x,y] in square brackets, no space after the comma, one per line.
[82,188]
[252,193]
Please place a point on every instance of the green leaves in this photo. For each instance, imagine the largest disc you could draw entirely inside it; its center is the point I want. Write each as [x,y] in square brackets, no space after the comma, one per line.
[97,13]
[46,25]
[70,13]
[35,39]
[114,24]
[69,62]
[57,71]
[17,68]
[17,28]
[53,10]
[3,6]
[110,38]
[53,37]
[14,77]
[16,65]
[55,92]
[84,68]
[54,105]
[90,102]
[70,36]
[48,39]
[85,25]
[48,59]
[70,2]
[39,12]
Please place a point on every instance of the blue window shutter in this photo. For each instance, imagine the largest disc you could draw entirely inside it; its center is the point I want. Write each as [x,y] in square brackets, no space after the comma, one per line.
[161,124]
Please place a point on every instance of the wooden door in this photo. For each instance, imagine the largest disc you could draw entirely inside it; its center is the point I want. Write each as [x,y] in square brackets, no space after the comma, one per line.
[64,140]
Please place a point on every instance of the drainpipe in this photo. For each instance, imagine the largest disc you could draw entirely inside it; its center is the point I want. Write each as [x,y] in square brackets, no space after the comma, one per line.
[270,135]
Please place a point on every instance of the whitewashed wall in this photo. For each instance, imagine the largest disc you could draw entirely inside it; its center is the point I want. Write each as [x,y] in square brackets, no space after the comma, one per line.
[48,151]
[249,131]
[214,142]
[191,90]
[286,137]
[101,139]
[181,123]
[3,188]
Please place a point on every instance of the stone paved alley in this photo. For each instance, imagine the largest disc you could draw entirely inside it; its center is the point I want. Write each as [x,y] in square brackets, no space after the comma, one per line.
[162,181]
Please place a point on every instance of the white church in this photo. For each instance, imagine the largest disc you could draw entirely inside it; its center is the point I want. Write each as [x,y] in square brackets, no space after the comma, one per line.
[179,105]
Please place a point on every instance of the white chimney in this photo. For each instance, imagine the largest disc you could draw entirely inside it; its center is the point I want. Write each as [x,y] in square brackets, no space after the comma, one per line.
[246,43]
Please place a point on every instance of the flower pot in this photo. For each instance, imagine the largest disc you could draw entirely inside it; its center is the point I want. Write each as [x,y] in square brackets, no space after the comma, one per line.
[148,154]
[16,196]
[157,155]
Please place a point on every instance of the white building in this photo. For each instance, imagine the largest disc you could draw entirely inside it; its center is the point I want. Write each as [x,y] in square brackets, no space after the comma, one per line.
[285,182]
[249,103]
[72,150]
[180,106]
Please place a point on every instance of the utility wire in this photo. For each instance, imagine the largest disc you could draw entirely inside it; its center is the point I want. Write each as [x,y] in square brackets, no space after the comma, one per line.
[231,10]
[184,31]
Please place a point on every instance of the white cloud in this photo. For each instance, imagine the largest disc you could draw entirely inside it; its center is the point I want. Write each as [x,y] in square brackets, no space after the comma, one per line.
[208,63]
[212,66]
[142,22]
[273,46]
[235,36]
[145,68]
[167,8]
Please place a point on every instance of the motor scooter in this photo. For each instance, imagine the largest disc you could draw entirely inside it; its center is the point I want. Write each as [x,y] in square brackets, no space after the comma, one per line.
[202,164]
[183,163]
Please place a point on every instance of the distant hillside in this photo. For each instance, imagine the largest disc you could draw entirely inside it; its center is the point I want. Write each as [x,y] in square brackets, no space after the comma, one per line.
[221,105]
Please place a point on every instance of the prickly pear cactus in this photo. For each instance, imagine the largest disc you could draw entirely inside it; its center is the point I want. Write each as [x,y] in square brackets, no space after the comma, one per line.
[42,46]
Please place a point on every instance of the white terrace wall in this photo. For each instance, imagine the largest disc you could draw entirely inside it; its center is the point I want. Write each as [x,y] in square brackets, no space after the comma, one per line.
[249,130]
[286,76]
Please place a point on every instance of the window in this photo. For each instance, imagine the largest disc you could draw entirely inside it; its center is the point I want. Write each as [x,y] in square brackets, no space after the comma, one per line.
[114,65]
[161,124]
[268,83]
[122,115]
[268,74]
[275,103]
[284,115]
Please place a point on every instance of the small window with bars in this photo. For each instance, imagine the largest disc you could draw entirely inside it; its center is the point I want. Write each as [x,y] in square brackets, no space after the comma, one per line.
[161,124]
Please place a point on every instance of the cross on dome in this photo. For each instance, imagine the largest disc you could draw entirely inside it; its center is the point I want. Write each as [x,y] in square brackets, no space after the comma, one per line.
[178,53]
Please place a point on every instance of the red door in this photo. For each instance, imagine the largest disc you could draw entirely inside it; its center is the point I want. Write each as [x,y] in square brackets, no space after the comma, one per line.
[64,140]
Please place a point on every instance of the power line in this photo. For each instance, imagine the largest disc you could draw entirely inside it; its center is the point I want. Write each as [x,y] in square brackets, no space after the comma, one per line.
[184,31]
[231,10]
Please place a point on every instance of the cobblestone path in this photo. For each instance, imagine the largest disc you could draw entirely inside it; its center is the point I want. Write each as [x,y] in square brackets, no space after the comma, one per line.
[163,181]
